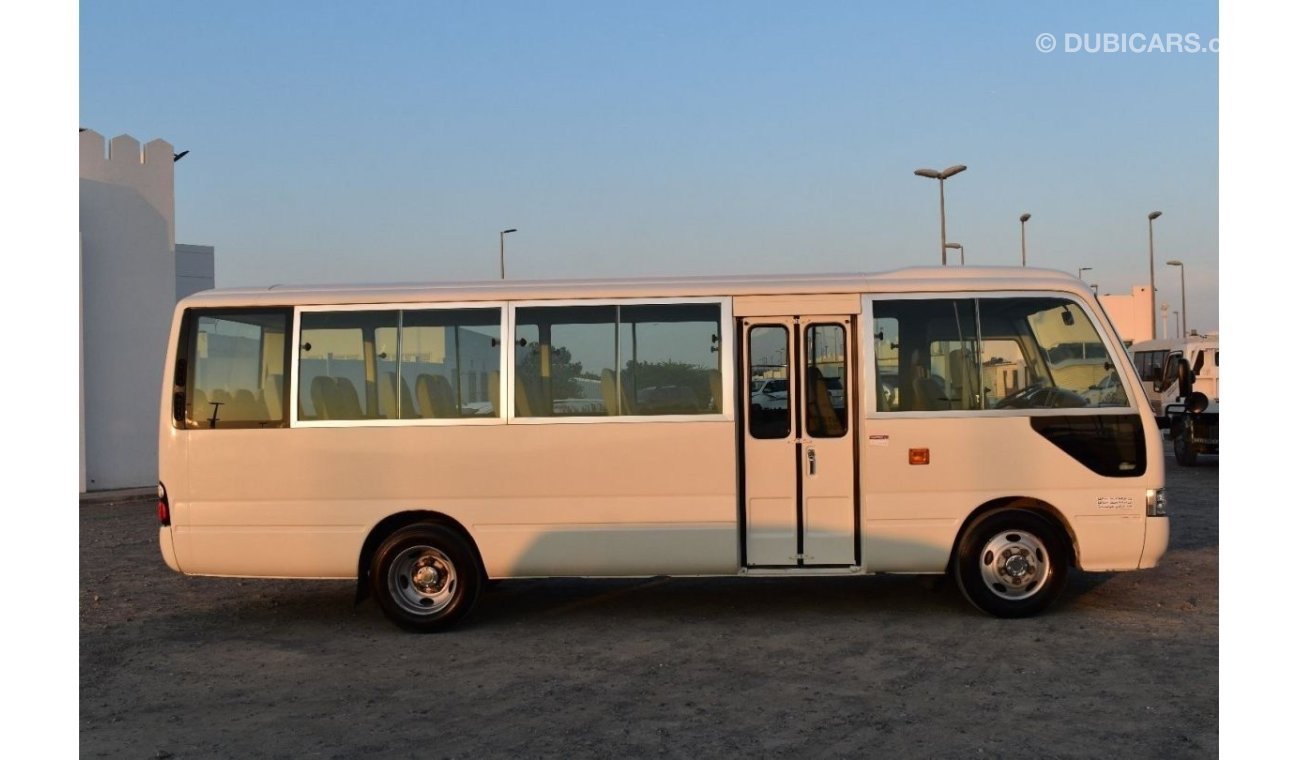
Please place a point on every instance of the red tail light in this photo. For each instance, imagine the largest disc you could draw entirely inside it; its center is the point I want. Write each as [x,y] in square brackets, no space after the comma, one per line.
[164,511]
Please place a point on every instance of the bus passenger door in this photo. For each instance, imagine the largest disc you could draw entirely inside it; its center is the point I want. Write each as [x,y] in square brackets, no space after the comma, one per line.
[799,464]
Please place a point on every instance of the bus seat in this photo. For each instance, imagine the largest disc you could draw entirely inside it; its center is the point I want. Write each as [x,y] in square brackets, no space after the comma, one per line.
[618,399]
[273,397]
[629,401]
[392,390]
[408,407]
[435,397]
[388,396]
[346,401]
[244,407]
[200,410]
[219,404]
[321,390]
[525,399]
[609,391]
[927,394]
[965,377]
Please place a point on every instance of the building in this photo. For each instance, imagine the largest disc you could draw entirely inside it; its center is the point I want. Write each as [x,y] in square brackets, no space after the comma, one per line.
[131,274]
[1131,313]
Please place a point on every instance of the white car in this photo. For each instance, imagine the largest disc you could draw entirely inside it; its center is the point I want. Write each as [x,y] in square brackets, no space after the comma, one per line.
[1108,391]
[770,393]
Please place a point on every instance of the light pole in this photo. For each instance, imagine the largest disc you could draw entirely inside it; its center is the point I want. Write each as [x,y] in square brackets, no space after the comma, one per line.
[943,222]
[958,247]
[1151,248]
[503,251]
[1182,281]
[1082,270]
[1023,218]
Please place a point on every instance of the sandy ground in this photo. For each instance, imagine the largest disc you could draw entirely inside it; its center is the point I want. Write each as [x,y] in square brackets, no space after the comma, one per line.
[1125,665]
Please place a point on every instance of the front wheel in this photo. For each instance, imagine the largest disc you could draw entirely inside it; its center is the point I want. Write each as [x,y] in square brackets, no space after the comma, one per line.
[425,577]
[1011,563]
[1184,449]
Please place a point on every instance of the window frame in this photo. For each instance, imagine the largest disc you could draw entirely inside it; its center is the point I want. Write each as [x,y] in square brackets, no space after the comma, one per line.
[1116,351]
[806,343]
[399,306]
[726,361]
[188,344]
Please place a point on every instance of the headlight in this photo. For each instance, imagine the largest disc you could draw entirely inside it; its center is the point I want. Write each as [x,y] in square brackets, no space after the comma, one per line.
[1155,502]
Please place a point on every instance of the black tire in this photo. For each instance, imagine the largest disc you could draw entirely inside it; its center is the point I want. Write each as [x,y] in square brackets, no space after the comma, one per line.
[425,577]
[1184,449]
[1012,563]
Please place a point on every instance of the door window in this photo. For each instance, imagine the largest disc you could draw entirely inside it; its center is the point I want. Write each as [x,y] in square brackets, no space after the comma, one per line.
[769,372]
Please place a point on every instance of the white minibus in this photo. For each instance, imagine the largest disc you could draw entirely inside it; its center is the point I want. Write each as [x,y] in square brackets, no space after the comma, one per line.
[423,440]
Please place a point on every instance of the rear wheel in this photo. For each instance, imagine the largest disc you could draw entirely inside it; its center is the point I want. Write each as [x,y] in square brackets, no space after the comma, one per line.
[1012,563]
[425,577]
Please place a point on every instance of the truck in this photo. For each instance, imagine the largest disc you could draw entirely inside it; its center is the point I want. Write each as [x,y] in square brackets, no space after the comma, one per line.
[1181,379]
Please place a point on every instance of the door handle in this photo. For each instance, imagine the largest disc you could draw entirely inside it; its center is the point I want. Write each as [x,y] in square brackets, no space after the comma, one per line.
[812,462]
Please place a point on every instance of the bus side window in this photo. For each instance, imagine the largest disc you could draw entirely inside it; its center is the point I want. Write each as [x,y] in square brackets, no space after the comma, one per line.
[969,354]
[450,362]
[341,356]
[230,369]
[618,360]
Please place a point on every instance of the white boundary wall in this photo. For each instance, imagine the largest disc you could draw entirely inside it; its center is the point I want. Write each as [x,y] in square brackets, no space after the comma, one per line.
[129,284]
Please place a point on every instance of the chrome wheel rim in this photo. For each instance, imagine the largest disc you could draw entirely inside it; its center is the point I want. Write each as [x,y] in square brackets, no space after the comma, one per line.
[1015,565]
[422,580]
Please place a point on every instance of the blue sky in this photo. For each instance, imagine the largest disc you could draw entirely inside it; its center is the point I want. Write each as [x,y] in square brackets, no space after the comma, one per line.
[347,143]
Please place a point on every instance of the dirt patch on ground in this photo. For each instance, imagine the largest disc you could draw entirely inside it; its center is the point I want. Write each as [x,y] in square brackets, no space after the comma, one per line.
[1125,665]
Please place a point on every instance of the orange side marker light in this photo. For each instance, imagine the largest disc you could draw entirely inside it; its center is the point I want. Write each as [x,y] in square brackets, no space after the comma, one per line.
[918,456]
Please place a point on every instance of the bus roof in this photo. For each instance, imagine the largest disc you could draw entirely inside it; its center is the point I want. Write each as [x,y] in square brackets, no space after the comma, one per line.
[937,279]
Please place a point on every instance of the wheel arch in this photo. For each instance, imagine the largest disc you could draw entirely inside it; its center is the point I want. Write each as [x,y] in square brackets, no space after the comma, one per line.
[1026,503]
[395,522]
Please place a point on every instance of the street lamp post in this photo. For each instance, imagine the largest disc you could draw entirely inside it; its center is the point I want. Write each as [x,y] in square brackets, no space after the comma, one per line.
[1082,270]
[1023,260]
[503,251]
[943,222]
[958,247]
[1151,249]
[1182,281]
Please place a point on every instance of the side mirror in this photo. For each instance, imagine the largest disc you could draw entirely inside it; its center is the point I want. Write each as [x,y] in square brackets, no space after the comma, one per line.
[1185,380]
[1197,402]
